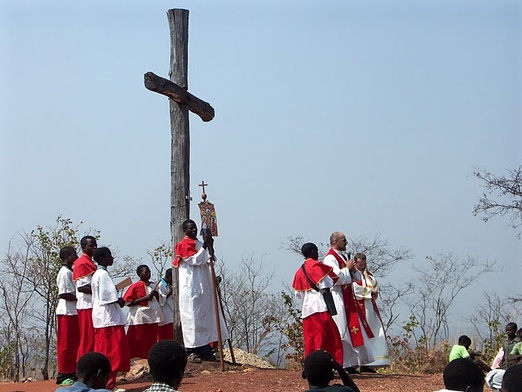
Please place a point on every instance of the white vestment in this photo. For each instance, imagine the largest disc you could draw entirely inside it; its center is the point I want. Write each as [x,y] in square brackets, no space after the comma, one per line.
[196,301]
[352,356]
[363,290]
[166,303]
[66,285]
[106,312]
[146,314]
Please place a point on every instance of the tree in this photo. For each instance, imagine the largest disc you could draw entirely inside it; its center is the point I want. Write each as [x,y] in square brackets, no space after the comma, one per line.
[503,196]
[249,307]
[435,290]
[489,320]
[15,308]
[161,258]
[43,247]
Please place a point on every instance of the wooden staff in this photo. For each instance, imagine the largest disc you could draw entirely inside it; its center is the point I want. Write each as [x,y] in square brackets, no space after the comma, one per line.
[216,302]
[228,340]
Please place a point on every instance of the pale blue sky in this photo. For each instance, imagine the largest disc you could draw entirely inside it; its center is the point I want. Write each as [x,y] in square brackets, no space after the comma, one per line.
[361,116]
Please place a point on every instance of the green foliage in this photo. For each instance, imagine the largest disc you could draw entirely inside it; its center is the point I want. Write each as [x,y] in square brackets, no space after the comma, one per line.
[411,355]
[491,346]
[161,258]
[7,362]
[292,329]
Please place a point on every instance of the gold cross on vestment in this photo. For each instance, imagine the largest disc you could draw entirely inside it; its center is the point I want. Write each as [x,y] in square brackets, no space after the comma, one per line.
[355,329]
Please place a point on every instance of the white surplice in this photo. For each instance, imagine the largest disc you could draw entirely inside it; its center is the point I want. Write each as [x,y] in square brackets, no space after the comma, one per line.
[352,356]
[196,301]
[363,286]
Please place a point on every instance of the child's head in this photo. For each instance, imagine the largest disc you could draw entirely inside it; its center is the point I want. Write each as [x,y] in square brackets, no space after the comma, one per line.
[519,334]
[93,369]
[360,261]
[465,341]
[167,361]
[143,271]
[168,275]
[318,368]
[463,375]
[310,251]
[68,255]
[511,330]
[512,379]
[190,229]
[103,256]
[88,244]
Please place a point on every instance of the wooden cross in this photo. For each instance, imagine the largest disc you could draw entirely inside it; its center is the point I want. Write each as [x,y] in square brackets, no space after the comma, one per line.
[181,102]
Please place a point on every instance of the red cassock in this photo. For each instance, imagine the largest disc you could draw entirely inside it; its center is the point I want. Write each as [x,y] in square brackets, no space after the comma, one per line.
[141,337]
[83,266]
[319,329]
[67,330]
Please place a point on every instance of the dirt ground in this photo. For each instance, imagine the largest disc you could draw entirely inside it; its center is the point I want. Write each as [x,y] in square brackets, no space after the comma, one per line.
[208,377]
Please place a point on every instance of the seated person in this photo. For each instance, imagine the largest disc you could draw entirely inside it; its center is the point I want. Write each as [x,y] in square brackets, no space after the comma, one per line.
[516,353]
[167,362]
[461,350]
[512,381]
[93,371]
[319,368]
[463,375]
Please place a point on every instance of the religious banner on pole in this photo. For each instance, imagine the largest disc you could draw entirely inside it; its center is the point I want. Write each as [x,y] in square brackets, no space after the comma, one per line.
[208,214]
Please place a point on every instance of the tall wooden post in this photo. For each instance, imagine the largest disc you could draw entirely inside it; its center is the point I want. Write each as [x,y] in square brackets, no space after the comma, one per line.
[181,102]
[180,144]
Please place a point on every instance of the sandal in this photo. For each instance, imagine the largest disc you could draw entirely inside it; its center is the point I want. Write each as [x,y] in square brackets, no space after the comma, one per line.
[194,358]
[211,358]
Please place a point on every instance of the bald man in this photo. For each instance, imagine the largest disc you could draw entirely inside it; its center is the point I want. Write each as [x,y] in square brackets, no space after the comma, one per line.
[353,328]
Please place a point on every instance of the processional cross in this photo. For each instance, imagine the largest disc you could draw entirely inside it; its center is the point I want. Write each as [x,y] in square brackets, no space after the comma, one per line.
[181,102]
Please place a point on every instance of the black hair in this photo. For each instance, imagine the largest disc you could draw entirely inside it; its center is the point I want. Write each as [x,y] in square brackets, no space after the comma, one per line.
[66,251]
[512,379]
[461,373]
[89,365]
[318,368]
[512,324]
[464,340]
[168,272]
[83,241]
[101,253]
[308,248]
[186,223]
[140,267]
[167,361]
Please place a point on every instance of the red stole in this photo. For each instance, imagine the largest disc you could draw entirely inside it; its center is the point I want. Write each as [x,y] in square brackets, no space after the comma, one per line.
[185,248]
[83,266]
[361,302]
[135,291]
[353,313]
[316,271]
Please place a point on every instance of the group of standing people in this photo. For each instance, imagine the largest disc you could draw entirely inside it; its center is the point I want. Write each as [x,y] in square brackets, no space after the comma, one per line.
[90,317]
[339,309]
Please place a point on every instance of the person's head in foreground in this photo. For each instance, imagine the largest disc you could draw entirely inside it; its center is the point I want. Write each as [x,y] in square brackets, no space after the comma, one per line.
[319,370]
[512,380]
[167,361]
[93,369]
[463,375]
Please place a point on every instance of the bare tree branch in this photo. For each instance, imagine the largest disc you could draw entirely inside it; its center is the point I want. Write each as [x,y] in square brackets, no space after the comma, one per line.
[503,196]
